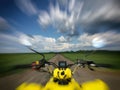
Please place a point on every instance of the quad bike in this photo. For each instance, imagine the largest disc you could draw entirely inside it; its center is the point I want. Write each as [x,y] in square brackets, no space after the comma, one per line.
[62,76]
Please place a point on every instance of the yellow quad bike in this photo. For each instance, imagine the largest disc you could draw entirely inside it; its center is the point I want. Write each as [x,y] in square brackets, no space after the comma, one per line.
[62,77]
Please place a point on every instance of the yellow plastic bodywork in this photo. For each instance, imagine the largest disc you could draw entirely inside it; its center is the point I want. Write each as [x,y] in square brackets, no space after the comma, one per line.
[57,73]
[95,85]
[31,86]
[72,85]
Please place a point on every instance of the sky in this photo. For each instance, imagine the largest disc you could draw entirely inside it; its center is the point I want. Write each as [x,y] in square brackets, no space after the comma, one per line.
[59,25]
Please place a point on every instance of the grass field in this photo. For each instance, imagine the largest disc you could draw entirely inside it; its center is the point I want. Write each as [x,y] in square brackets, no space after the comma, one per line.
[105,57]
[8,61]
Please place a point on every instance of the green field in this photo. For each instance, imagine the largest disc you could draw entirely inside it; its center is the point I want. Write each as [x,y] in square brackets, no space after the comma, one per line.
[105,57]
[8,61]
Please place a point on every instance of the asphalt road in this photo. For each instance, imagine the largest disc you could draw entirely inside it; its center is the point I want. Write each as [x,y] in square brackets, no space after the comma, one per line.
[112,78]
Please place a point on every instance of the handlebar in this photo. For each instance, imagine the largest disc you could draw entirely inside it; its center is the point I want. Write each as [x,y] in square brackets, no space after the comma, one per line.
[37,65]
[81,63]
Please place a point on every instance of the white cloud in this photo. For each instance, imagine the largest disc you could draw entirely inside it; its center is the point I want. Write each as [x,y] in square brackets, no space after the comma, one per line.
[44,19]
[80,15]
[4,37]
[68,16]
[44,44]
[108,39]
[106,12]
[62,39]
[85,39]
[62,20]
[98,42]
[27,7]
[10,44]
[71,5]
[47,44]
[83,42]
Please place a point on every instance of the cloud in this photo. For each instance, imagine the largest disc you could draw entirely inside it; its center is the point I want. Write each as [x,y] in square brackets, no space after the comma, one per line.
[62,39]
[6,27]
[110,39]
[75,17]
[10,44]
[6,40]
[27,7]
[3,24]
[49,44]
[15,41]
[104,18]
[64,21]
[7,36]
[84,42]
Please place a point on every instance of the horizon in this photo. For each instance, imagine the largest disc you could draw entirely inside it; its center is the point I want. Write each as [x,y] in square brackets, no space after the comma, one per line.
[63,51]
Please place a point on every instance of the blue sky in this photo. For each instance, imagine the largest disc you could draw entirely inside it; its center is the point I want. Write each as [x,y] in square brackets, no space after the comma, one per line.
[59,25]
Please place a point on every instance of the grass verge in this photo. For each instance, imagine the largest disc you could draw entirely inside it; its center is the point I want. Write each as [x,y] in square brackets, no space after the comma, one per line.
[105,57]
[8,61]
